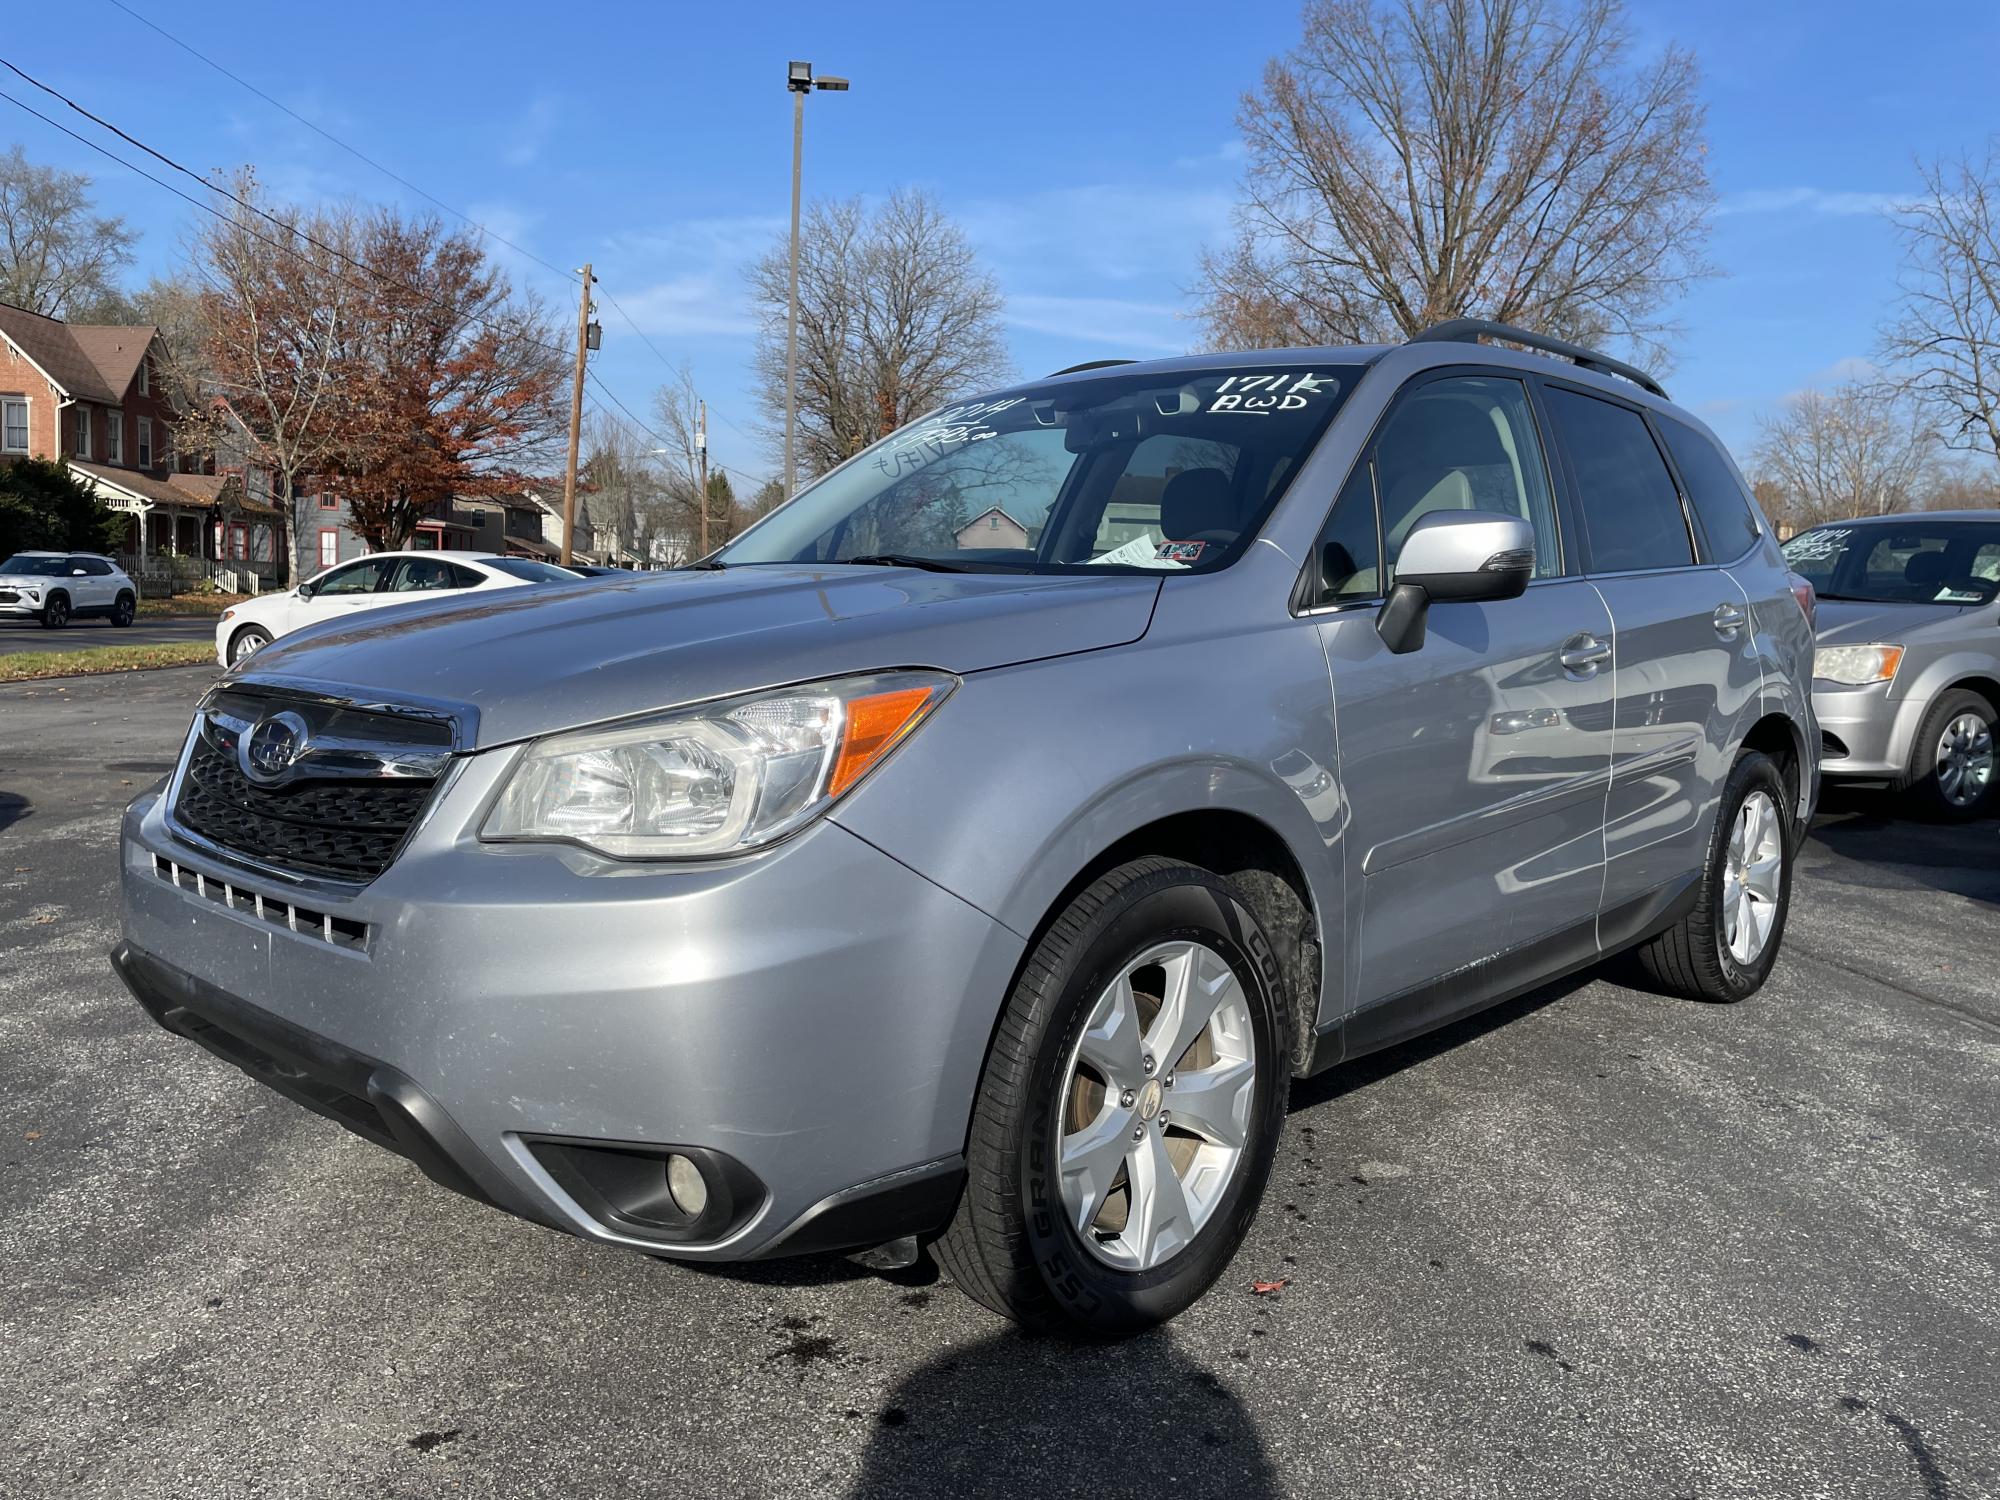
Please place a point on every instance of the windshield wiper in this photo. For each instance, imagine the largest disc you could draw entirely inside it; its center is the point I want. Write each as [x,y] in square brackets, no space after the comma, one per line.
[706,565]
[904,560]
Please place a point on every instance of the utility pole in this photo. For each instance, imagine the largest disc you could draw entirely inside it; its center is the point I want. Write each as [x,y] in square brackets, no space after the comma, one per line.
[576,411]
[701,454]
[799,79]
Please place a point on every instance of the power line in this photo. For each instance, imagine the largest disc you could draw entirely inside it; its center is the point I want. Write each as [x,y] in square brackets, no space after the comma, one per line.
[397,177]
[634,421]
[352,151]
[295,232]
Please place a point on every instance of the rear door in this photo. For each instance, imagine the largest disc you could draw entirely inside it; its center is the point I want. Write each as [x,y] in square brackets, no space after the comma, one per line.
[1475,766]
[1685,668]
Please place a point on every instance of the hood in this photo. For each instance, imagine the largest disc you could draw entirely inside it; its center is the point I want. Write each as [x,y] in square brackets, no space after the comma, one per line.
[532,661]
[1862,622]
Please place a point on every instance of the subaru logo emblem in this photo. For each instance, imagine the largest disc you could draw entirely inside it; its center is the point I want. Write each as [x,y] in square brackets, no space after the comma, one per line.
[273,746]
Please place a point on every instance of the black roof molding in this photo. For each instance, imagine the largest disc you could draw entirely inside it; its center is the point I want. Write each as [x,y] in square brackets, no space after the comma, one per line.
[1092,364]
[1472,330]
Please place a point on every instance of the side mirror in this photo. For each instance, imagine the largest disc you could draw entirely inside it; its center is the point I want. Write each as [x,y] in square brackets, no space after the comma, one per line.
[304,591]
[1457,557]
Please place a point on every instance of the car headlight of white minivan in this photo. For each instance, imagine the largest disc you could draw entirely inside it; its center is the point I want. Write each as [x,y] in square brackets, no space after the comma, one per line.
[717,778]
[1857,666]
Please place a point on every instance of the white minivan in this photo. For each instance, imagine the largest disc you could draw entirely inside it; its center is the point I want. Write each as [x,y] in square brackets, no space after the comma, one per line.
[369,583]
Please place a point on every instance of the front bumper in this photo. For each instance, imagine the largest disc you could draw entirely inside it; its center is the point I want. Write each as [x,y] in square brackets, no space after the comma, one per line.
[817,1015]
[20,609]
[1864,732]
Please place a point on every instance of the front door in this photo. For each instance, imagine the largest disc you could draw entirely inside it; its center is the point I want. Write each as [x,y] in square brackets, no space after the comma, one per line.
[1475,766]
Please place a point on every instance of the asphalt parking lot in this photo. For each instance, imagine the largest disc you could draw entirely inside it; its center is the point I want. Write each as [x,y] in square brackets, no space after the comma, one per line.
[1594,1243]
[78,635]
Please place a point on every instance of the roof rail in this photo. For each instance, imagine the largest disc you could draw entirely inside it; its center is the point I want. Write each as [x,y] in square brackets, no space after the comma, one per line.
[1092,364]
[1472,330]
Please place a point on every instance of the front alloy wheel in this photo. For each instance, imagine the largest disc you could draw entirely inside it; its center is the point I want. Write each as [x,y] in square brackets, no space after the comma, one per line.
[1156,1105]
[55,614]
[1130,1106]
[246,643]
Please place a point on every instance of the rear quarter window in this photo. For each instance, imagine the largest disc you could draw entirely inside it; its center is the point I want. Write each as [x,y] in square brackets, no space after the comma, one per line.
[1728,523]
[1631,510]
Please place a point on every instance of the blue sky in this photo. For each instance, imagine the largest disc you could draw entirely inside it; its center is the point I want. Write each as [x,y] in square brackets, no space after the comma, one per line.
[1090,151]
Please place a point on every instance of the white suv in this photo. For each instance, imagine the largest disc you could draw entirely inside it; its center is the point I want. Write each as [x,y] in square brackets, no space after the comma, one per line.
[369,583]
[57,587]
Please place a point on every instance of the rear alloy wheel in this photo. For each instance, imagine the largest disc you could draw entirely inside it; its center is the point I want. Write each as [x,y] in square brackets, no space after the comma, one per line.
[1130,1108]
[246,643]
[123,611]
[55,613]
[1951,765]
[1723,949]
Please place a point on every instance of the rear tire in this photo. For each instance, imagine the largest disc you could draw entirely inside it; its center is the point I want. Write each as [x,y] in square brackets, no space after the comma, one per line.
[1950,779]
[123,611]
[55,612]
[1016,1244]
[1722,951]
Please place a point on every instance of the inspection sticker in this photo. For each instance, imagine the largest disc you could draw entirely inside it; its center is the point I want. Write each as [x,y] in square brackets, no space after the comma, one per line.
[1180,552]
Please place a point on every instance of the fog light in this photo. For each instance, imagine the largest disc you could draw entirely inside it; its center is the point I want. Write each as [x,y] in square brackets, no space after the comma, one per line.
[685,1183]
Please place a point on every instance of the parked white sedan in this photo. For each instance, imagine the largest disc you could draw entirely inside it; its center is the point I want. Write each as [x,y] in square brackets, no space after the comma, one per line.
[369,583]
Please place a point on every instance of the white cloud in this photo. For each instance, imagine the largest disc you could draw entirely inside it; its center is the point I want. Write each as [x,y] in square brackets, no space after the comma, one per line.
[531,131]
[1151,327]
[1808,200]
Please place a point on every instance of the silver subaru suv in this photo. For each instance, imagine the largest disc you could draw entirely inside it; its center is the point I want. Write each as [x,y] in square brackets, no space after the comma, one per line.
[973,851]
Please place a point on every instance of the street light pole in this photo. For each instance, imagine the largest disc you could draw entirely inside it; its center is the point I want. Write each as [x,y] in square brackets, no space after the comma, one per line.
[799,79]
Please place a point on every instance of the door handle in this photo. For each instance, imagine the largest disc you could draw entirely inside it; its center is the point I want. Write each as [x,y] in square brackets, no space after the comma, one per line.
[1583,654]
[1729,619]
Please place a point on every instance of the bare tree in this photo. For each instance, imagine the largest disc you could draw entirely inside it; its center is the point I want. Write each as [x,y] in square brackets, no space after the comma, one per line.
[1853,451]
[1417,160]
[57,255]
[278,307]
[1944,340]
[895,316]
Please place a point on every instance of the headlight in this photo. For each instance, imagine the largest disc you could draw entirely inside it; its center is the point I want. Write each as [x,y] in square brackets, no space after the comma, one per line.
[229,613]
[717,778]
[1857,666]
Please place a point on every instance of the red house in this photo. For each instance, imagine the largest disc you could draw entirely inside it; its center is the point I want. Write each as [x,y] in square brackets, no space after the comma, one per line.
[90,396]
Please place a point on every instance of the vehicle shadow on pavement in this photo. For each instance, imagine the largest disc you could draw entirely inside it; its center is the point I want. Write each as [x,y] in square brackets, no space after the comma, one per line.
[13,808]
[1347,1077]
[1053,1417]
[1873,838]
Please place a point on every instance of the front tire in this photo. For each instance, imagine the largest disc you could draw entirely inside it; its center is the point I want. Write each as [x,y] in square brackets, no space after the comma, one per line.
[1103,1193]
[246,643]
[55,612]
[1722,951]
[123,611]
[1950,779]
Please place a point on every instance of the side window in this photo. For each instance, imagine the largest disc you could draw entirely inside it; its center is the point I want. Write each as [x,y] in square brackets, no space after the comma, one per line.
[1349,550]
[96,567]
[1727,523]
[1630,506]
[363,577]
[464,578]
[421,574]
[1466,442]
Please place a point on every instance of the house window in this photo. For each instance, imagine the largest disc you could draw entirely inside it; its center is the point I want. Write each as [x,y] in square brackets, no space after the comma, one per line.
[329,502]
[239,542]
[82,448]
[114,436]
[329,546]
[145,377]
[260,544]
[13,426]
[145,442]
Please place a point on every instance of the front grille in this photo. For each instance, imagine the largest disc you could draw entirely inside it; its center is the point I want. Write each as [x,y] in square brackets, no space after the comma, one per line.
[348,828]
[341,932]
[8,596]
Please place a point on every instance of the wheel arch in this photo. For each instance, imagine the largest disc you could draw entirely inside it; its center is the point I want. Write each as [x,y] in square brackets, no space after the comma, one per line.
[1268,877]
[1779,736]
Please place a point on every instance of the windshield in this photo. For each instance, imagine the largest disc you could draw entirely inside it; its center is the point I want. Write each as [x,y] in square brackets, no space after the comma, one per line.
[1913,562]
[22,565]
[1109,474]
[528,569]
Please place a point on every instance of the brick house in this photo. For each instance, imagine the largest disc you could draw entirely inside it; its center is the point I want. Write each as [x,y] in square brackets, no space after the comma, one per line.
[90,396]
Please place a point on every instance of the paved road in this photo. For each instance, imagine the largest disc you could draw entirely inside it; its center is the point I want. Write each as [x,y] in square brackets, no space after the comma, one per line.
[1594,1244]
[26,635]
